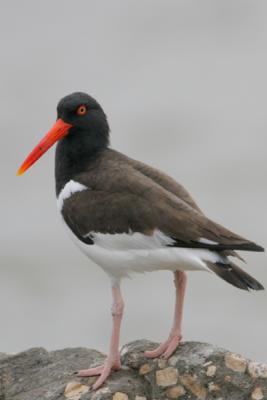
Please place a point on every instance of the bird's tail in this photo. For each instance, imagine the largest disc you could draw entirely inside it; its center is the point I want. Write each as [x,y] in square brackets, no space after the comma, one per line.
[234,275]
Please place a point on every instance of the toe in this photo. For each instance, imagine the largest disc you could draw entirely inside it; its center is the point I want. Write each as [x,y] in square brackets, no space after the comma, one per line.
[91,371]
[104,375]
[158,351]
[103,370]
[174,343]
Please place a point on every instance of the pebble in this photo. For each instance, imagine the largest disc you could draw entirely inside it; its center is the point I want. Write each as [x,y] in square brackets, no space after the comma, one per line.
[167,376]
[257,394]
[211,370]
[191,383]
[235,362]
[120,396]
[74,390]
[175,392]
[257,370]
[144,369]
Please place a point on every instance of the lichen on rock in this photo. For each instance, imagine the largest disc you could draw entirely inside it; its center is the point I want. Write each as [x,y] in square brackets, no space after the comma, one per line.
[196,371]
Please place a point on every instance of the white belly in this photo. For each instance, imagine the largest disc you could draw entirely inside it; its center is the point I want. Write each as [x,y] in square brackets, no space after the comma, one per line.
[119,260]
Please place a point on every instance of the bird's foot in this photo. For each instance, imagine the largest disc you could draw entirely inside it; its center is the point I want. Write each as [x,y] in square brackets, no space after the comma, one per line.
[165,349]
[103,370]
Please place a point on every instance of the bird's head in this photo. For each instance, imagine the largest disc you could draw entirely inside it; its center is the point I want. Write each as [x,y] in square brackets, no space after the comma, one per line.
[78,115]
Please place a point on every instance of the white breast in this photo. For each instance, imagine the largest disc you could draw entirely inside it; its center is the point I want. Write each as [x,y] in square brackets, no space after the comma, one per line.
[70,188]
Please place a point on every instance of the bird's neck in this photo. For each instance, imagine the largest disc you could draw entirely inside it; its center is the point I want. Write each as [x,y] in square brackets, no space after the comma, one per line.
[75,153]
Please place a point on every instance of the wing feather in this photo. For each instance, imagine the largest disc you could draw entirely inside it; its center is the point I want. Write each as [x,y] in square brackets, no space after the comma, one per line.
[122,199]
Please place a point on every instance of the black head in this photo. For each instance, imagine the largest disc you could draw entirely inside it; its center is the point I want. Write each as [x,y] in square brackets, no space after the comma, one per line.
[81,131]
[88,134]
[85,114]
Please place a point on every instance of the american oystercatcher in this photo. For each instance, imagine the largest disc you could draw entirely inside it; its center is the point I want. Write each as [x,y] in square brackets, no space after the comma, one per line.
[129,217]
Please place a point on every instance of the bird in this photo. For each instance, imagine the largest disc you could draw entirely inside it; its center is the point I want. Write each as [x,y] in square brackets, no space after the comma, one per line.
[129,217]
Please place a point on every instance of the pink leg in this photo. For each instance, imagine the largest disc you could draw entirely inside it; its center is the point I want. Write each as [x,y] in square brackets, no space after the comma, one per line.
[113,360]
[167,348]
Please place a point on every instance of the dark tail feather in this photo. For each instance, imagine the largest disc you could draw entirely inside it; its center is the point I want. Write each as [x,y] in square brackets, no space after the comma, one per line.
[231,273]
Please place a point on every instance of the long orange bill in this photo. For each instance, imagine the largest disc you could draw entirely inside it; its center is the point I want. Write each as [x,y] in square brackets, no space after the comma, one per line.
[58,131]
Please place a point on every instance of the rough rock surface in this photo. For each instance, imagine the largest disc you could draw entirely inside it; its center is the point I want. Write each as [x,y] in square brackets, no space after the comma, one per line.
[196,371]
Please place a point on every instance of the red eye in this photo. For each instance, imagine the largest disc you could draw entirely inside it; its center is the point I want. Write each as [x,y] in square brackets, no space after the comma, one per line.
[81,110]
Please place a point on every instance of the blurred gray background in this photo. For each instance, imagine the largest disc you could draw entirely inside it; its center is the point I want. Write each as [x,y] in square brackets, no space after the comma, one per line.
[184,86]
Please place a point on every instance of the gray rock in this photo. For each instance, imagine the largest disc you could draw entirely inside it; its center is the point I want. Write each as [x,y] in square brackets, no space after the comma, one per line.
[196,371]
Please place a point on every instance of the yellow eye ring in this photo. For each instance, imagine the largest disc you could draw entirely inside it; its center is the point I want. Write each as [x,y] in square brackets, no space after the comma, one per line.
[81,110]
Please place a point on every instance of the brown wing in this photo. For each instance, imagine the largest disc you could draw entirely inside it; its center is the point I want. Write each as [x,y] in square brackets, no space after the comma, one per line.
[165,181]
[121,199]
[107,212]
